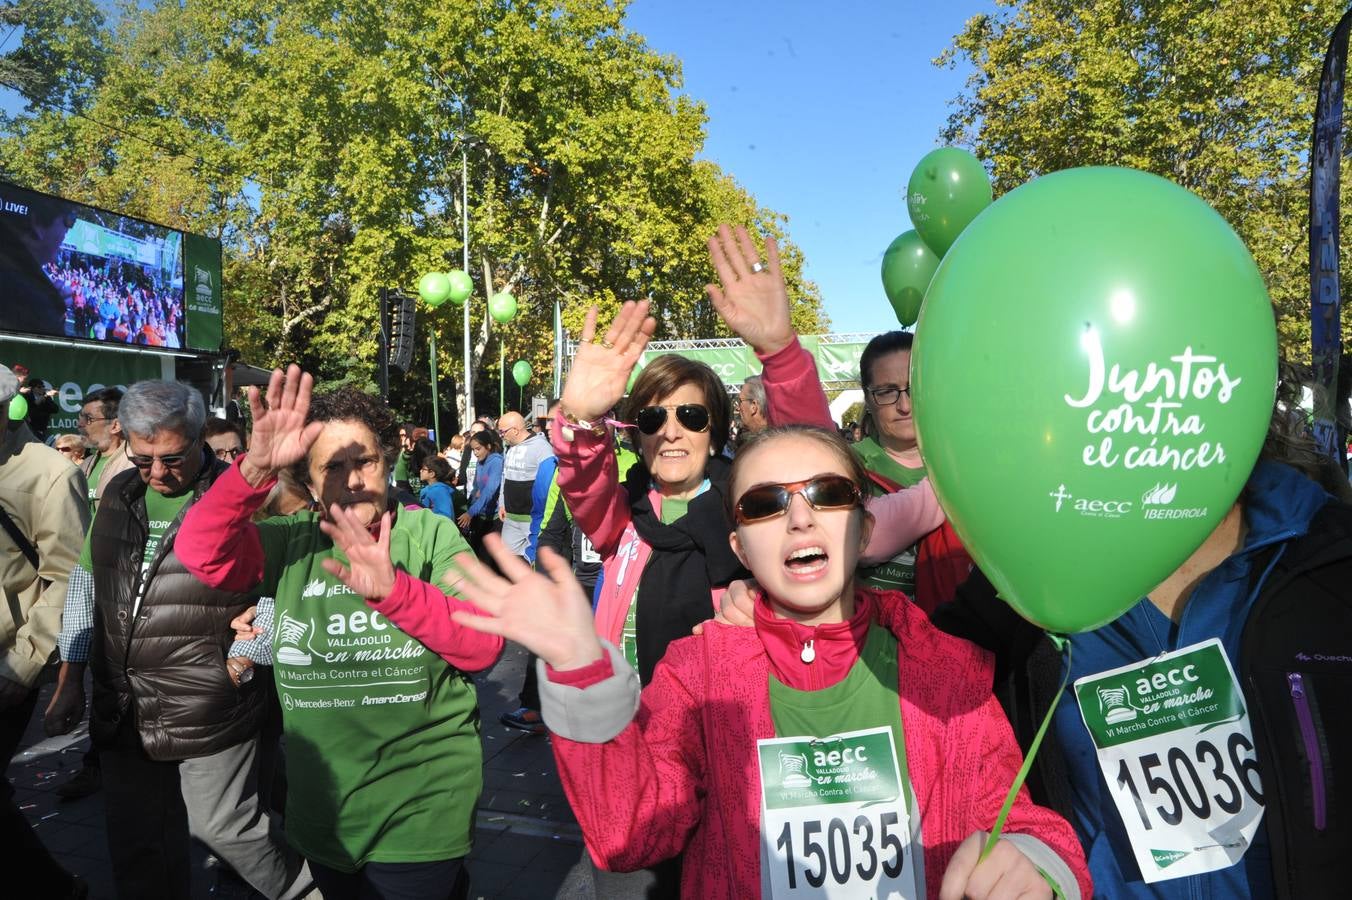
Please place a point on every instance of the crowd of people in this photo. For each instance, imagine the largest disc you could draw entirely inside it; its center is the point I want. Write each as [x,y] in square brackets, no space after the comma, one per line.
[108,300]
[766,662]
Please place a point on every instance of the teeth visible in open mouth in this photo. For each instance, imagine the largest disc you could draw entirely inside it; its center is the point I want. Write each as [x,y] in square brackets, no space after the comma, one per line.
[674,453]
[803,552]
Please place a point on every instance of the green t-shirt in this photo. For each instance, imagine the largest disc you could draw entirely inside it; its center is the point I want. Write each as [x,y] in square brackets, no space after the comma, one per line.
[865,698]
[161,511]
[401,468]
[671,511]
[897,573]
[382,735]
[99,463]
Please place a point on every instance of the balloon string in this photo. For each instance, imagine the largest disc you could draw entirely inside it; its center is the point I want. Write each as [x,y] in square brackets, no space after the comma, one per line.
[1063,645]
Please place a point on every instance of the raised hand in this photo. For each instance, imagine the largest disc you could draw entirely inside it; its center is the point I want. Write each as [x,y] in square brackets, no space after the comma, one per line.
[280,437]
[753,302]
[549,616]
[369,572]
[601,369]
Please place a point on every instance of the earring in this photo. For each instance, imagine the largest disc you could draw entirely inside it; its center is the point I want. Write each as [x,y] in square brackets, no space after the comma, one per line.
[712,452]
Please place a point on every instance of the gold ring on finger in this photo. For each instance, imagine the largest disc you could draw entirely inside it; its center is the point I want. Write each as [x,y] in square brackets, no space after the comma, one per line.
[607,344]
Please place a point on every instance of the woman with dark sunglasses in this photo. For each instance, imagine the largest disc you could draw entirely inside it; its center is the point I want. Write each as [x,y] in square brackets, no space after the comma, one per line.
[842,744]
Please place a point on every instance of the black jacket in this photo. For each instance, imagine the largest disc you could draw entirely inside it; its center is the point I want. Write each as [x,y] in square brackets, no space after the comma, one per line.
[1295,669]
[169,659]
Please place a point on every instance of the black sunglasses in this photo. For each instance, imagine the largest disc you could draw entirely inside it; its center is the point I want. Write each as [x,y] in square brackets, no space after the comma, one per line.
[767,501]
[169,462]
[692,416]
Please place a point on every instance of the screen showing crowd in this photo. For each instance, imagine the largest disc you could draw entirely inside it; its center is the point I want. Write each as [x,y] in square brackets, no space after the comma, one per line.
[75,271]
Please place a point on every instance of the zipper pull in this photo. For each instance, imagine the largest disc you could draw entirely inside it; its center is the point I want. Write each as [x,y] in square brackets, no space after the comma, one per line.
[809,653]
[1297,684]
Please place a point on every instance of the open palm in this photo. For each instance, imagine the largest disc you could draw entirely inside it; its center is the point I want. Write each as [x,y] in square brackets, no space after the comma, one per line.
[369,572]
[601,370]
[547,613]
[754,304]
[280,437]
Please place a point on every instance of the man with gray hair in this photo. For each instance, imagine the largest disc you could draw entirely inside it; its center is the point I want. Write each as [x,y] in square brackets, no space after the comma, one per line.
[752,410]
[176,728]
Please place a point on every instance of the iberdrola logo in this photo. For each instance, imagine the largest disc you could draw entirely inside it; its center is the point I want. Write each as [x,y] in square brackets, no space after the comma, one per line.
[1159,495]
[1166,858]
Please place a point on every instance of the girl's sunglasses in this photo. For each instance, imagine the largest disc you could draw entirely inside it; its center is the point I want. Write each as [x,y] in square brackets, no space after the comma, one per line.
[767,501]
[692,416]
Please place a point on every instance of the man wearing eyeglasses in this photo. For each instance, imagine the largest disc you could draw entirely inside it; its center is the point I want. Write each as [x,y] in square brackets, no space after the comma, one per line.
[177,731]
[44,516]
[98,425]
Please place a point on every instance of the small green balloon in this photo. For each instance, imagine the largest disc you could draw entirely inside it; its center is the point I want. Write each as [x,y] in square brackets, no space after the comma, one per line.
[461,286]
[946,192]
[521,372]
[908,266]
[434,288]
[18,408]
[1093,374]
[502,307]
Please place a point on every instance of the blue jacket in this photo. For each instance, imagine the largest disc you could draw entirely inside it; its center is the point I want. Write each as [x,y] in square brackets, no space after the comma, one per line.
[1278,506]
[539,499]
[437,497]
[487,481]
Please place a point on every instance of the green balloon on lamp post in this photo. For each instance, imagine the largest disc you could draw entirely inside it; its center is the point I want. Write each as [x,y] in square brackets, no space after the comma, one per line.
[434,288]
[460,286]
[502,307]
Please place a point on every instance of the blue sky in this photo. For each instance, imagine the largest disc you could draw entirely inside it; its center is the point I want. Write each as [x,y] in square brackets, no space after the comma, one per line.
[821,111]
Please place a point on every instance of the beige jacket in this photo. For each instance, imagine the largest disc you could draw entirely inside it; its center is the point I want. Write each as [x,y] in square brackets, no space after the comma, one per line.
[47,498]
[118,462]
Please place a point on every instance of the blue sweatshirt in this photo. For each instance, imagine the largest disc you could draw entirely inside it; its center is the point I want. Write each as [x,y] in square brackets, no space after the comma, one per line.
[437,497]
[487,480]
[1278,507]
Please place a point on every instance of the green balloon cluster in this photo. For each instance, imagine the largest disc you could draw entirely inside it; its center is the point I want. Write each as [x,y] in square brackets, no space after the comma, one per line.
[18,408]
[1093,374]
[908,266]
[502,307]
[434,288]
[947,190]
[521,372]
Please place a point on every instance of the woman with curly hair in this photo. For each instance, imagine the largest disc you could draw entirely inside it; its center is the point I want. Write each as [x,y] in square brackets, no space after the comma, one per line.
[382,730]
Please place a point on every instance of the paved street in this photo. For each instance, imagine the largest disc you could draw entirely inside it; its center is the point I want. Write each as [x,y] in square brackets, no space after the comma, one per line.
[527,843]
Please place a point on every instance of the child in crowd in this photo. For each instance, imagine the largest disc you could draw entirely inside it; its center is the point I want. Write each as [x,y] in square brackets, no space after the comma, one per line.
[436,493]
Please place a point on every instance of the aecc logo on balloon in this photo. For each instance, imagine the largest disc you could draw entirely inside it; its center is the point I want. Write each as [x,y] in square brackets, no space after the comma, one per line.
[1099,509]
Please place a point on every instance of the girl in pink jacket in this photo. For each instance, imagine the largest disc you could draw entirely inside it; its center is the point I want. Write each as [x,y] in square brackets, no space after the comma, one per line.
[842,747]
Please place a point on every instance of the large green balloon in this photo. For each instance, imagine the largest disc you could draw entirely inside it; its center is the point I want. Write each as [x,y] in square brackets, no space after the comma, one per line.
[1093,373]
[502,307]
[434,288]
[461,286]
[521,372]
[908,266]
[18,408]
[946,191]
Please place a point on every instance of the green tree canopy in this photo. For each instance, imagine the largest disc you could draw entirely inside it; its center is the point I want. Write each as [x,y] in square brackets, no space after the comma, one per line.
[323,141]
[1217,97]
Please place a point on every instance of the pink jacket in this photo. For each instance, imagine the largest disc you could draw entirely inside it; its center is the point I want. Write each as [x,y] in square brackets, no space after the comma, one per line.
[683,777]
[589,479]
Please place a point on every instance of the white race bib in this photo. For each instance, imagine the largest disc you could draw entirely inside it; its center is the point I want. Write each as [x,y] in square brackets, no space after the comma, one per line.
[833,820]
[1176,750]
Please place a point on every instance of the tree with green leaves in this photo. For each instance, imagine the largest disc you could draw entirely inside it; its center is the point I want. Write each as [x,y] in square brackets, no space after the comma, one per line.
[325,140]
[1217,97]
